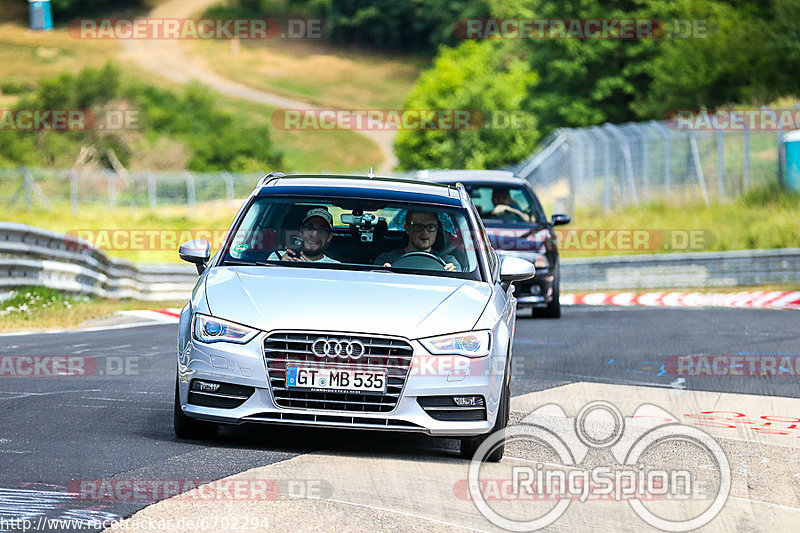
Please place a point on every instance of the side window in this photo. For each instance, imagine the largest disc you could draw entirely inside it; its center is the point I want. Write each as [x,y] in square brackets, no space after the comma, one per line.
[521,199]
[482,198]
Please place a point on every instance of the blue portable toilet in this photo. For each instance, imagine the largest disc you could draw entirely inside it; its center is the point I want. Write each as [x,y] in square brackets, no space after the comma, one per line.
[791,150]
[40,14]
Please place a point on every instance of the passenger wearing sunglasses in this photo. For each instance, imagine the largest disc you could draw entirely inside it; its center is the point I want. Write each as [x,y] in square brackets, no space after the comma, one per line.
[317,233]
[422,228]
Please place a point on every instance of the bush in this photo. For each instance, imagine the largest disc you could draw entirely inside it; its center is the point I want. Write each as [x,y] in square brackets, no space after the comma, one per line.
[216,139]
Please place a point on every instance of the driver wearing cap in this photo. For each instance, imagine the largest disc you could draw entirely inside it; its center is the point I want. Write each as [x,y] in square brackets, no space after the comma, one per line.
[422,228]
[317,233]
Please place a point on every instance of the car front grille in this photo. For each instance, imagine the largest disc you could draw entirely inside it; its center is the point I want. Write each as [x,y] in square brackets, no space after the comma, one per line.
[392,355]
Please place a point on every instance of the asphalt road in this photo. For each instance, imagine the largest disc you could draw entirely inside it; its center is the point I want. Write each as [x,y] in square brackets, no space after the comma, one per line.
[117,423]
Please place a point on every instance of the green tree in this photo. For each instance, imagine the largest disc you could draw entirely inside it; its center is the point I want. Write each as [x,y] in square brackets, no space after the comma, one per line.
[722,65]
[486,76]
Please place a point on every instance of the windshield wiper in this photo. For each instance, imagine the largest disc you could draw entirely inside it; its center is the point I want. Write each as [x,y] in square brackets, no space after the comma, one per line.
[233,262]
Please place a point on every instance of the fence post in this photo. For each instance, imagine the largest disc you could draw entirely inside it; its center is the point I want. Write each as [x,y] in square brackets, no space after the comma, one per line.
[112,188]
[698,168]
[151,191]
[606,172]
[720,165]
[645,163]
[667,153]
[190,192]
[576,166]
[73,190]
[27,178]
[746,140]
[626,159]
[228,186]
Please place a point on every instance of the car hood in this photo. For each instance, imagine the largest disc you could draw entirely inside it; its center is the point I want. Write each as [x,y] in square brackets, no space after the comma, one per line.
[412,306]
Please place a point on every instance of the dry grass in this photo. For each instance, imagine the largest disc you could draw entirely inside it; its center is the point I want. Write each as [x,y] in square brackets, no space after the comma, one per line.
[27,56]
[311,151]
[314,71]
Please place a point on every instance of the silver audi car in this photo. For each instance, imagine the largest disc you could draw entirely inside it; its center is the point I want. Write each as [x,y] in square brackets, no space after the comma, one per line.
[350,302]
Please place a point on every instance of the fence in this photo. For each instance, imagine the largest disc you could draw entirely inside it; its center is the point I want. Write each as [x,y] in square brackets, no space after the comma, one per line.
[28,187]
[620,165]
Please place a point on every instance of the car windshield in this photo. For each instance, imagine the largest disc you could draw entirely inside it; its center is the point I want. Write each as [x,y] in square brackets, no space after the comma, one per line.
[504,202]
[356,234]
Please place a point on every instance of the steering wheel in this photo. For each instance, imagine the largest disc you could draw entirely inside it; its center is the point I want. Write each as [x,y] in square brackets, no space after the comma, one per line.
[420,260]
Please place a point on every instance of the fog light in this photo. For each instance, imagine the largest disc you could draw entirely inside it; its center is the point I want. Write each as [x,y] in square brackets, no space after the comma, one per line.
[204,386]
[468,401]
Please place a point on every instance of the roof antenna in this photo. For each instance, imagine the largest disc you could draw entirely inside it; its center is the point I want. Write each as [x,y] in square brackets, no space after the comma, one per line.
[371,173]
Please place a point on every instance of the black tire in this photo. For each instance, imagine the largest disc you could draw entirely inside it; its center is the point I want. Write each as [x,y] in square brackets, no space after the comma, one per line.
[469,445]
[187,427]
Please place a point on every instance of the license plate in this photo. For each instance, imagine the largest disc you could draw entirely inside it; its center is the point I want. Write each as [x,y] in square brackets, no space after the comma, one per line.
[336,379]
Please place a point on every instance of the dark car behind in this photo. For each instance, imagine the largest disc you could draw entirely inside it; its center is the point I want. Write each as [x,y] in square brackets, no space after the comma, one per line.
[521,229]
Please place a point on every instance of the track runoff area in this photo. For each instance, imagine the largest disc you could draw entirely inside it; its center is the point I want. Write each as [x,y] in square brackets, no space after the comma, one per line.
[622,418]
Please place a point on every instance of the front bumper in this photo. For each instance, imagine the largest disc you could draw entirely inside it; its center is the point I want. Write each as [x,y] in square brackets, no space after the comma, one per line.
[537,291]
[245,365]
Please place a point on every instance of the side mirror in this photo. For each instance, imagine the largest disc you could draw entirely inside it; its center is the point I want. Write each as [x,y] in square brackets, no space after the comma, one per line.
[515,269]
[560,220]
[197,251]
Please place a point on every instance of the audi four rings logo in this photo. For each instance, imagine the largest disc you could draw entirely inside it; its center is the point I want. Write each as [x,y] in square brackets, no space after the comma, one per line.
[341,348]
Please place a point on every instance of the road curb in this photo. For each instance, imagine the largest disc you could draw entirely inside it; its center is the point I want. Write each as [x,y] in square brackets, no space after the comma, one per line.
[749,299]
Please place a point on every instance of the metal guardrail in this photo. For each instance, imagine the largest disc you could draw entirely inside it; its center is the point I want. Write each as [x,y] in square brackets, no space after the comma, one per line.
[33,256]
[739,268]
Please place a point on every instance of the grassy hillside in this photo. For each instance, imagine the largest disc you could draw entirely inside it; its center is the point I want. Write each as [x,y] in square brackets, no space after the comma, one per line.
[26,57]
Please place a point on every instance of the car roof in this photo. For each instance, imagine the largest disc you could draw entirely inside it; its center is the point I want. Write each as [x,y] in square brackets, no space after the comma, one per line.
[346,186]
[489,177]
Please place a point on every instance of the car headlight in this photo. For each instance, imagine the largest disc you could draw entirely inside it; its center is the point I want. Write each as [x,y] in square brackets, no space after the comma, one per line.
[541,261]
[210,329]
[470,344]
